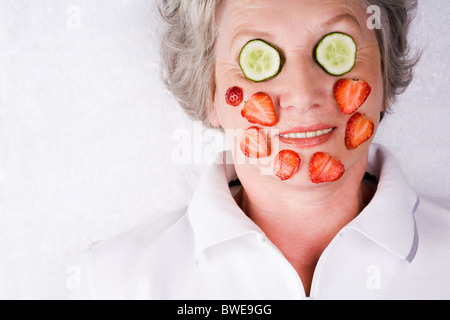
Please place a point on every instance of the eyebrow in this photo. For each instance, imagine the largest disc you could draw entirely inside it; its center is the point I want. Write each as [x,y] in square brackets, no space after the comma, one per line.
[344,16]
[256,34]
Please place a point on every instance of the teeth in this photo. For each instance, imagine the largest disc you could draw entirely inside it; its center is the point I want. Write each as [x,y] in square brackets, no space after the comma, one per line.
[304,135]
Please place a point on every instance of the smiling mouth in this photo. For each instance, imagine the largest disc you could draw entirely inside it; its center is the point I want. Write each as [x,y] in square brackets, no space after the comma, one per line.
[307,137]
[303,135]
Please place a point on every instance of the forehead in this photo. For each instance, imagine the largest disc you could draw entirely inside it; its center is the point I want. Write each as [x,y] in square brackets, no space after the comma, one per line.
[287,16]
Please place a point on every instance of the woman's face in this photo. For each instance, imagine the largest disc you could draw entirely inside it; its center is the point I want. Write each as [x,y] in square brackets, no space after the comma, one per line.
[302,92]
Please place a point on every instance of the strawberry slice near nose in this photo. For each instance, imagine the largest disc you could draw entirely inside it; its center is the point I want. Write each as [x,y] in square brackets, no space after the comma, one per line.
[259,110]
[351,94]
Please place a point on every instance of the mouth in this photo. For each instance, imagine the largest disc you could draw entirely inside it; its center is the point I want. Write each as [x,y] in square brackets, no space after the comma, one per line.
[307,137]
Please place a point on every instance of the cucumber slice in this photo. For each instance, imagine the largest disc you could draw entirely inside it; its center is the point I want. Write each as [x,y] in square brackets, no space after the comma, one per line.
[259,61]
[336,53]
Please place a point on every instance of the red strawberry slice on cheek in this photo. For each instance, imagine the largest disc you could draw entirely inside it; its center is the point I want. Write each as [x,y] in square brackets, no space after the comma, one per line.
[286,165]
[359,130]
[254,144]
[351,94]
[325,168]
[259,110]
[234,96]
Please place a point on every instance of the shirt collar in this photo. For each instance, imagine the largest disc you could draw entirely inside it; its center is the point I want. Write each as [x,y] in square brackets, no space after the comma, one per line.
[388,219]
[214,214]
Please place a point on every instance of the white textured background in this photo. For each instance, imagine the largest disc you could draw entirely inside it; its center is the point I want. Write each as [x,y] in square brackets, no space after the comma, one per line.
[86,127]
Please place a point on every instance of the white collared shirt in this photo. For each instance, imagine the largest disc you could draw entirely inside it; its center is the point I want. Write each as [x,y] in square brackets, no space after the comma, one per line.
[397,248]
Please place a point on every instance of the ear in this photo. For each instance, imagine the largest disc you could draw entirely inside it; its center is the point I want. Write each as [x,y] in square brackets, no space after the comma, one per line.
[213,116]
[383,109]
[385,105]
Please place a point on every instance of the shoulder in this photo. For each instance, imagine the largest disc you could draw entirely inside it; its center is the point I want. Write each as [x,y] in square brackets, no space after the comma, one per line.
[433,228]
[139,238]
[112,267]
[433,212]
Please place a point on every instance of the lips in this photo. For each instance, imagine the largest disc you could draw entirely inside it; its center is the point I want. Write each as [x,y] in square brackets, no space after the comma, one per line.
[307,137]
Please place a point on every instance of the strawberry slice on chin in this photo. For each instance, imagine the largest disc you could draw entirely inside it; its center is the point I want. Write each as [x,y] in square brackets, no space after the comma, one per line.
[254,144]
[259,110]
[324,168]
[351,94]
[287,163]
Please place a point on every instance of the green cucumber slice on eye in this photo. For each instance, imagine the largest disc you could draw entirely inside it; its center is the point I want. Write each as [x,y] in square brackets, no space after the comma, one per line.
[259,61]
[336,53]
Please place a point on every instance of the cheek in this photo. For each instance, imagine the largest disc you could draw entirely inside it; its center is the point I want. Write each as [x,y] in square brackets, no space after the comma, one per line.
[375,102]
[360,128]
[239,108]
[366,125]
[226,104]
[371,69]
[229,96]
[229,116]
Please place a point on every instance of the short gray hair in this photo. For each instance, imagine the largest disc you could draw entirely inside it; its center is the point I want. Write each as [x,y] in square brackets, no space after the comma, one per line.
[188,41]
[187,53]
[397,60]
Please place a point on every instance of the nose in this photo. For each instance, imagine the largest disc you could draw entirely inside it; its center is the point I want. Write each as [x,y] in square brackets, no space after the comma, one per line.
[302,86]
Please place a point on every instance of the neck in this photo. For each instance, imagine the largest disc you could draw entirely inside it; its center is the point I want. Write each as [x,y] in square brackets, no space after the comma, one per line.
[302,221]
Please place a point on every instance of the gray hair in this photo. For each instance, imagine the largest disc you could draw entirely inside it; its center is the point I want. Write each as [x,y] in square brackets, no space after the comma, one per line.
[187,53]
[397,60]
[187,50]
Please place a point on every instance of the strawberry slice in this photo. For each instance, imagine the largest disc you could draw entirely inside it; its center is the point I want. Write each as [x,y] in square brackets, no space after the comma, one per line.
[259,109]
[254,144]
[287,163]
[234,96]
[325,168]
[351,94]
[359,130]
